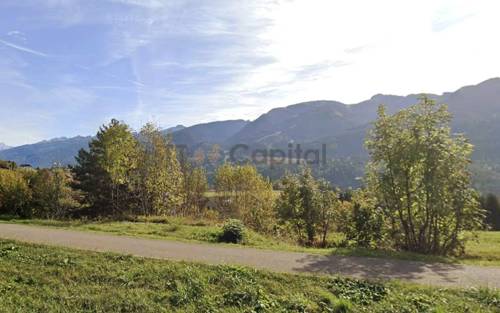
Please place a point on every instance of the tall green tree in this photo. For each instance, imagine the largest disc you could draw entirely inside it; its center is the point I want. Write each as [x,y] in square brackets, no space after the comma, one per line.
[419,174]
[159,179]
[105,172]
[329,203]
[289,204]
[308,192]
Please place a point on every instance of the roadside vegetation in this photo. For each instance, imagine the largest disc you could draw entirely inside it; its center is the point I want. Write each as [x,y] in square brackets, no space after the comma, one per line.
[37,278]
[417,201]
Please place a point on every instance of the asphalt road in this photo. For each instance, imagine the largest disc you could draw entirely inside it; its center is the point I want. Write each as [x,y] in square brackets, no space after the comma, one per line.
[437,274]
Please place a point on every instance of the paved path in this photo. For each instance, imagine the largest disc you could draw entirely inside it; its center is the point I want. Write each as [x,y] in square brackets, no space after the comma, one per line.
[291,262]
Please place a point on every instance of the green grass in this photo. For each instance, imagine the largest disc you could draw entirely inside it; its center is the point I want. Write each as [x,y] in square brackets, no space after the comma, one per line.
[484,251]
[36,278]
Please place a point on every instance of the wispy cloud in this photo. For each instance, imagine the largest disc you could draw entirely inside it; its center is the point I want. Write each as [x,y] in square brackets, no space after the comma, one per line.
[184,61]
[17,34]
[442,23]
[23,49]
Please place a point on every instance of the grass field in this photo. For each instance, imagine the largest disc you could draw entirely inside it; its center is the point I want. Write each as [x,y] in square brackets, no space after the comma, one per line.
[484,251]
[37,278]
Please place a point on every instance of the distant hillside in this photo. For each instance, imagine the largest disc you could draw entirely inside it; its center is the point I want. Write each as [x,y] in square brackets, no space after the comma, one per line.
[63,150]
[173,129]
[3,146]
[46,153]
[208,133]
[475,109]
[342,127]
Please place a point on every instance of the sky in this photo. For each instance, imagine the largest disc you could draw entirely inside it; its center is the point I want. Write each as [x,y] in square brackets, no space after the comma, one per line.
[68,66]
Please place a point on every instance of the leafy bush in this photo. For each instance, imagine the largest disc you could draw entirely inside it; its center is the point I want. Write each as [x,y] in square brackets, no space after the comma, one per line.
[362,222]
[232,231]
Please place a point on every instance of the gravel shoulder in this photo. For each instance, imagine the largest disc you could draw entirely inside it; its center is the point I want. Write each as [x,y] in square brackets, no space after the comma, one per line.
[435,274]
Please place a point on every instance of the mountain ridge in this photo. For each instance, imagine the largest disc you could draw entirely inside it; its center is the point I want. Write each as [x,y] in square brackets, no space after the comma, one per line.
[340,125]
[4,146]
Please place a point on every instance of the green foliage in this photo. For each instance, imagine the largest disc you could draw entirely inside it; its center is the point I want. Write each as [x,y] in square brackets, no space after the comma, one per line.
[158,178]
[363,222]
[244,194]
[15,194]
[43,193]
[105,172]
[342,306]
[356,291]
[491,206]
[233,231]
[329,204]
[419,175]
[52,195]
[486,296]
[307,205]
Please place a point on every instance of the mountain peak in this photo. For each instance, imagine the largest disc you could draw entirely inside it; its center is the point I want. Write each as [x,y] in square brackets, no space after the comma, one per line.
[4,146]
[174,129]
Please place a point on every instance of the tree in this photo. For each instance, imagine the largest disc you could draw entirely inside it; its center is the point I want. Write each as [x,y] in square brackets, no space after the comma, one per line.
[52,195]
[105,172]
[244,194]
[308,205]
[159,179]
[195,187]
[195,183]
[491,205]
[328,201]
[289,204]
[419,175]
[15,195]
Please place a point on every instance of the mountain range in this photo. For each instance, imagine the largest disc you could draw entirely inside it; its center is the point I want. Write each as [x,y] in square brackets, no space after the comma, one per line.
[3,146]
[342,127]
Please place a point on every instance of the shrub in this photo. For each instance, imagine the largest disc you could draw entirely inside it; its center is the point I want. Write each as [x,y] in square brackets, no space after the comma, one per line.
[232,231]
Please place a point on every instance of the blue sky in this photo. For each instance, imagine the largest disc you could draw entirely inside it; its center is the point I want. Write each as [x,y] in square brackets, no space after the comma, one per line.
[68,66]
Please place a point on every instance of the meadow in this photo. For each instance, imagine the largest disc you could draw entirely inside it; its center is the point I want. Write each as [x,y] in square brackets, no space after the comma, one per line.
[36,278]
